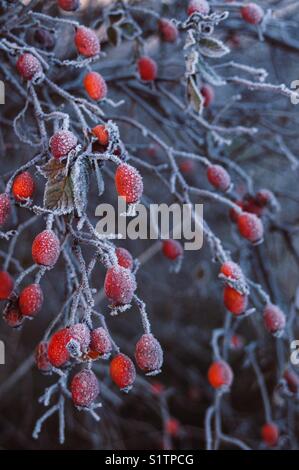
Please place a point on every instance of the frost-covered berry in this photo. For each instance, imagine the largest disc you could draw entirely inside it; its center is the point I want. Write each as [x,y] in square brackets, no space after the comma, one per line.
[122,371]
[44,38]
[81,333]
[124,258]
[128,182]
[292,380]
[23,186]
[168,30]
[149,354]
[12,316]
[58,353]
[209,95]
[87,42]
[100,341]
[252,13]
[4,208]
[172,427]
[250,227]
[31,300]
[200,6]
[6,285]
[186,166]
[95,86]
[69,5]
[172,249]
[234,301]
[274,319]
[264,197]
[219,177]
[84,388]
[46,248]
[102,134]
[119,285]
[231,270]
[41,357]
[62,142]
[147,68]
[28,66]
[270,434]
[220,375]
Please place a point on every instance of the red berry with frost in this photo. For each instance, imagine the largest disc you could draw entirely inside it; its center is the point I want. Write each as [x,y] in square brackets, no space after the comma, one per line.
[168,30]
[28,66]
[172,427]
[209,95]
[200,6]
[234,301]
[128,182]
[274,319]
[122,371]
[23,186]
[4,208]
[292,380]
[84,388]
[219,177]
[31,300]
[12,316]
[41,357]
[251,204]
[252,13]
[102,134]
[172,249]
[119,285]
[87,42]
[62,142]
[270,434]
[149,354]
[46,248]
[100,341]
[124,258]
[95,86]
[81,333]
[264,197]
[69,5]
[6,285]
[220,375]
[234,213]
[250,227]
[147,69]
[231,270]
[57,349]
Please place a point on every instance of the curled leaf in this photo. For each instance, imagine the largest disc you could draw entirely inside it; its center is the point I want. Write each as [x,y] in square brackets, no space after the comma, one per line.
[211,47]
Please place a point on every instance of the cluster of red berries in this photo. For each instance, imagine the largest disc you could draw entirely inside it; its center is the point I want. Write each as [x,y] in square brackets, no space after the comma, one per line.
[256,204]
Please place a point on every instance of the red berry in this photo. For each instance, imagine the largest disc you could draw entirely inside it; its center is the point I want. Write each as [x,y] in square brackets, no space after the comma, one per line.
[168,30]
[200,6]
[234,301]
[69,5]
[102,134]
[87,42]
[100,341]
[220,375]
[186,166]
[81,333]
[122,371]
[172,249]
[252,13]
[234,214]
[12,316]
[95,86]
[23,186]
[84,388]
[4,208]
[157,388]
[231,270]
[264,197]
[236,342]
[41,357]
[128,182]
[219,177]
[28,66]
[172,427]
[270,434]
[250,227]
[31,300]
[147,69]
[292,380]
[45,248]
[124,258]
[251,204]
[62,142]
[57,348]
[149,354]
[208,93]
[6,285]
[119,285]
[274,319]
